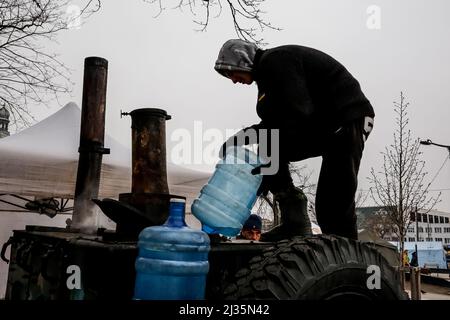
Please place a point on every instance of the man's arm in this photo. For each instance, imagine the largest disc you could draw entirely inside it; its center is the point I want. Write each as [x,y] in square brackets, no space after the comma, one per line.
[246,136]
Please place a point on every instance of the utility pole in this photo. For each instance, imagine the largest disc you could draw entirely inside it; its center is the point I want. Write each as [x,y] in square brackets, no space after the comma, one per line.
[417,235]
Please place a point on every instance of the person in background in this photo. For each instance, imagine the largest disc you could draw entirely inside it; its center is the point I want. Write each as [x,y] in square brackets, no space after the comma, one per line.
[414,262]
[405,258]
[251,229]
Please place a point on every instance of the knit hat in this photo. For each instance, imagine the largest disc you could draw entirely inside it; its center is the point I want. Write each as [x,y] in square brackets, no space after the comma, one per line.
[253,222]
[236,55]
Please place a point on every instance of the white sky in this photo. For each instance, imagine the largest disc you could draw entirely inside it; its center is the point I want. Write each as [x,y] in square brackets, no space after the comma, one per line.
[163,62]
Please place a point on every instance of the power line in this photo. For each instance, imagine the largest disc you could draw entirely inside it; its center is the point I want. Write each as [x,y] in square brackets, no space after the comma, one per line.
[432,180]
[439,171]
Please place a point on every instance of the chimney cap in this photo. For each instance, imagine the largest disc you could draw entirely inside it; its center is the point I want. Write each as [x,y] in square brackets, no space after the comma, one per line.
[155,112]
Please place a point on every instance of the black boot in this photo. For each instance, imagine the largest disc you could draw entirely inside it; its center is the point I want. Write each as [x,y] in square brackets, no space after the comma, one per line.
[294,216]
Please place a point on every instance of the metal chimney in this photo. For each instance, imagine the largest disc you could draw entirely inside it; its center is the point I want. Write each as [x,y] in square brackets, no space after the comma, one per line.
[149,150]
[149,188]
[149,200]
[92,133]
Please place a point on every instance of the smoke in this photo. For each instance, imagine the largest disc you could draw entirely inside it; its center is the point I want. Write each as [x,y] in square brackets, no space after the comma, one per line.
[86,213]
[86,218]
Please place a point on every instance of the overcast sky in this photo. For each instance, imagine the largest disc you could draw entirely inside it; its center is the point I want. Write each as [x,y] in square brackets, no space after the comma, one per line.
[164,63]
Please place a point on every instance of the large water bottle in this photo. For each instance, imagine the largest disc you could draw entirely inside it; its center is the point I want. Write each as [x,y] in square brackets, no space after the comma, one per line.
[225,202]
[173,260]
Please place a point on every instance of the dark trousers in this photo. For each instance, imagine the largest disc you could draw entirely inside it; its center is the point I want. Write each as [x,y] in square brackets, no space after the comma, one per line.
[338,180]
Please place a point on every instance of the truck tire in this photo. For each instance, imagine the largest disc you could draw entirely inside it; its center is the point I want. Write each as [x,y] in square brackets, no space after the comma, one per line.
[317,268]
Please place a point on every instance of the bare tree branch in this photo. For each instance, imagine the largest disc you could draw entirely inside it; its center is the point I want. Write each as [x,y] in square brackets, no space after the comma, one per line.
[379,224]
[28,73]
[247,15]
[361,198]
[267,205]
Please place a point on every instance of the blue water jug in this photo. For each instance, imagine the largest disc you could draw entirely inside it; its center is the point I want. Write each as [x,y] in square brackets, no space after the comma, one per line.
[172,263]
[225,202]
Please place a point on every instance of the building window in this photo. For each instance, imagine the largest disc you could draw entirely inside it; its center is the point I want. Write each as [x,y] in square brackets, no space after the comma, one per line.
[420,229]
[438,230]
[446,230]
[436,219]
[425,218]
[430,218]
[429,239]
[428,230]
[411,239]
[438,239]
[447,240]
[441,219]
[446,220]
[419,217]
[411,229]
[420,239]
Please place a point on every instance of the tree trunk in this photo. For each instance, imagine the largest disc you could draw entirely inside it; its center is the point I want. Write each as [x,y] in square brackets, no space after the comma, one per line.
[402,266]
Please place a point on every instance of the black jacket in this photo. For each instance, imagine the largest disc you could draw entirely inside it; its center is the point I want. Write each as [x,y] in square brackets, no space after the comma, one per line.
[307,95]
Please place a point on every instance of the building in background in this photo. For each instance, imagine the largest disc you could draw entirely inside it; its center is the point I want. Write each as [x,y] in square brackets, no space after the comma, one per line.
[433,226]
[4,122]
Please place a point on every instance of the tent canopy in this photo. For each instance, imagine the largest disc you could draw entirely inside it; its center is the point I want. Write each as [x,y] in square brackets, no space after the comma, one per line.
[42,161]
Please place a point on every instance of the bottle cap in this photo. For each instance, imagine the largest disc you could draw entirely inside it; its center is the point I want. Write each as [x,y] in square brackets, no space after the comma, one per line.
[177,200]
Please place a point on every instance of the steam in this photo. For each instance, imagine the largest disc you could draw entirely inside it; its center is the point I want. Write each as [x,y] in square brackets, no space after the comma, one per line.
[86,213]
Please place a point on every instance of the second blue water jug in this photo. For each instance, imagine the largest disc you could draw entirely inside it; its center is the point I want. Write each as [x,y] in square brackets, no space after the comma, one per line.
[173,260]
[225,202]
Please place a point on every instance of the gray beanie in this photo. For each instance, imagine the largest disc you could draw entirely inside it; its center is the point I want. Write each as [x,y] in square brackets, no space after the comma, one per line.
[236,55]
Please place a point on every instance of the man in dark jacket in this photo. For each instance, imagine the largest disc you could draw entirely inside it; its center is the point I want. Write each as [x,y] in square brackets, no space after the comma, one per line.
[251,230]
[318,108]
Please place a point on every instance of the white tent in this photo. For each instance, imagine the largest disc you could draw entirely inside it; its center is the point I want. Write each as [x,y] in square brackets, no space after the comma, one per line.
[42,161]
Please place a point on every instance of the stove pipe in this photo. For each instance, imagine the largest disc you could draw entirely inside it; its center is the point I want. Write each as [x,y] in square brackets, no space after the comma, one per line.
[149,172]
[92,133]
[149,188]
